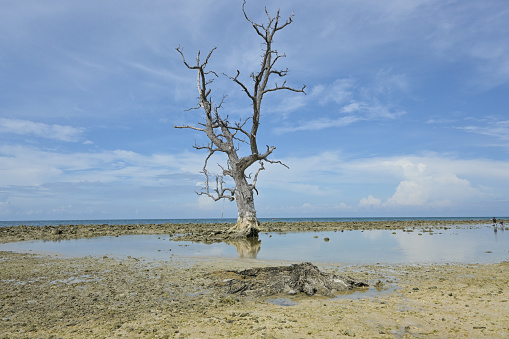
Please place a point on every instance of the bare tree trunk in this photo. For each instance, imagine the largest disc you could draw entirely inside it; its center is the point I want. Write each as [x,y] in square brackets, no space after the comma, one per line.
[247,223]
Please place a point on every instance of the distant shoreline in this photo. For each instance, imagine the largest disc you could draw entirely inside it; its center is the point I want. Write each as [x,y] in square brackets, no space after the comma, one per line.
[55,222]
[199,231]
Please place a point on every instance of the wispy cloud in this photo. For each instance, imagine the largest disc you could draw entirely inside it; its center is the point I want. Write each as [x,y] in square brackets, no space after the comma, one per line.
[41,130]
[46,182]
[345,102]
[318,124]
[23,165]
[340,91]
[473,32]
[495,129]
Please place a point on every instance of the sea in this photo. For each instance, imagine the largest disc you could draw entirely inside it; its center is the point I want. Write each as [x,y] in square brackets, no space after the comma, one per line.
[224,220]
[484,243]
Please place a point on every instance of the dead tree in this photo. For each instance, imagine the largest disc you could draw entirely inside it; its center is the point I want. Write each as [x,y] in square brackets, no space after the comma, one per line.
[227,136]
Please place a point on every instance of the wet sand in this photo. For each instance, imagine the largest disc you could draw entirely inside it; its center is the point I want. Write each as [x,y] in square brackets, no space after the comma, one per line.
[104,297]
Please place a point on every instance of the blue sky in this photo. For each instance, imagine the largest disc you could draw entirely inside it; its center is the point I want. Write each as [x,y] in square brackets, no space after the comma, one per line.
[406,112]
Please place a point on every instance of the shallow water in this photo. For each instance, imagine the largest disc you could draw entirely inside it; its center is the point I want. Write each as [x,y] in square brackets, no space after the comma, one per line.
[463,245]
[225,220]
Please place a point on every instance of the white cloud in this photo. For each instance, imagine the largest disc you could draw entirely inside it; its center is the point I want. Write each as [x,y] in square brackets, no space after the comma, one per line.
[389,184]
[41,130]
[353,107]
[339,92]
[495,129]
[430,181]
[206,203]
[370,201]
[26,166]
[50,184]
[318,124]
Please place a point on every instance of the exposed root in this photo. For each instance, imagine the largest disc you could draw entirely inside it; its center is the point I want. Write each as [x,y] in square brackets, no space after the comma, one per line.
[297,278]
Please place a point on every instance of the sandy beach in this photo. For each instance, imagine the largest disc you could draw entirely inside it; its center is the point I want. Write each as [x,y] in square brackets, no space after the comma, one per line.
[46,296]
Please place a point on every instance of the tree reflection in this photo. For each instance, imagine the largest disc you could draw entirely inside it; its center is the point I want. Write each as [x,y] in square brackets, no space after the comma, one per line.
[246,247]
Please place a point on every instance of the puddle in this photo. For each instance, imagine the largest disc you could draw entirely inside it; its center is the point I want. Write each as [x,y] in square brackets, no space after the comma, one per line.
[355,294]
[76,280]
[365,293]
[458,245]
[282,302]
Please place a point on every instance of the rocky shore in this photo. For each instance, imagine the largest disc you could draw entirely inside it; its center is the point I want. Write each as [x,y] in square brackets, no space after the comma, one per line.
[213,232]
[104,297]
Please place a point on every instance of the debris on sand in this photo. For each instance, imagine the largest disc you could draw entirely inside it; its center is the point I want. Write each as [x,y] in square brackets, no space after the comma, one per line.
[297,278]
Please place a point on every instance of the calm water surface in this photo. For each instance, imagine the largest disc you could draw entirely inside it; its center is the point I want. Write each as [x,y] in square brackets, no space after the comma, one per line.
[225,220]
[464,245]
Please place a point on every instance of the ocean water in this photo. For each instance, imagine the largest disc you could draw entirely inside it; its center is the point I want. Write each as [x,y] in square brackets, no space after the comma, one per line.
[480,244]
[221,220]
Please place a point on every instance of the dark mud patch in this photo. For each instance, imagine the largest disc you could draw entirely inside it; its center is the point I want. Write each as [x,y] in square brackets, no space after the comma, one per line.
[291,280]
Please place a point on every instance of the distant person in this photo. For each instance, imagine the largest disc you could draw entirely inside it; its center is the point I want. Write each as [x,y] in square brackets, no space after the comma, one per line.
[502,224]
[494,220]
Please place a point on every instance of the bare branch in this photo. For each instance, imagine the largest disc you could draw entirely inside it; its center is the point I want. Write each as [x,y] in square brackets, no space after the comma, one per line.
[190,127]
[269,152]
[277,88]
[236,80]
[276,162]
[219,191]
[255,180]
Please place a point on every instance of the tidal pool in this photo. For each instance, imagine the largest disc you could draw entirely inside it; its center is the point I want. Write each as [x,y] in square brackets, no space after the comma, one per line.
[455,245]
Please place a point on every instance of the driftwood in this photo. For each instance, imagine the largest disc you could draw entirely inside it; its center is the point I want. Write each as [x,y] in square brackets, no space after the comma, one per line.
[297,278]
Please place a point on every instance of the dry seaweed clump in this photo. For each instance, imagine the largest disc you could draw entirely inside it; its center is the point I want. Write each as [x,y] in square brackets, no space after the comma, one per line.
[297,278]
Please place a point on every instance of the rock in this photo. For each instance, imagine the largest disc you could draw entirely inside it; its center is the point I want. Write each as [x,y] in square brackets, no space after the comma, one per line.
[349,332]
[297,278]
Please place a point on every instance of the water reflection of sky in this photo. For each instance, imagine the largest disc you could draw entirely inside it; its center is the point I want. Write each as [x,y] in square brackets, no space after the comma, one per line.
[479,245]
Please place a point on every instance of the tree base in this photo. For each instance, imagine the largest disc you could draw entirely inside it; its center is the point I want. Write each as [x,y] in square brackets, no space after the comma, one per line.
[246,227]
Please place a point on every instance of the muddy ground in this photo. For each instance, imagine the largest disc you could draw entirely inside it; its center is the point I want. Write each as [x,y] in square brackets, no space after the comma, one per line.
[104,297]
